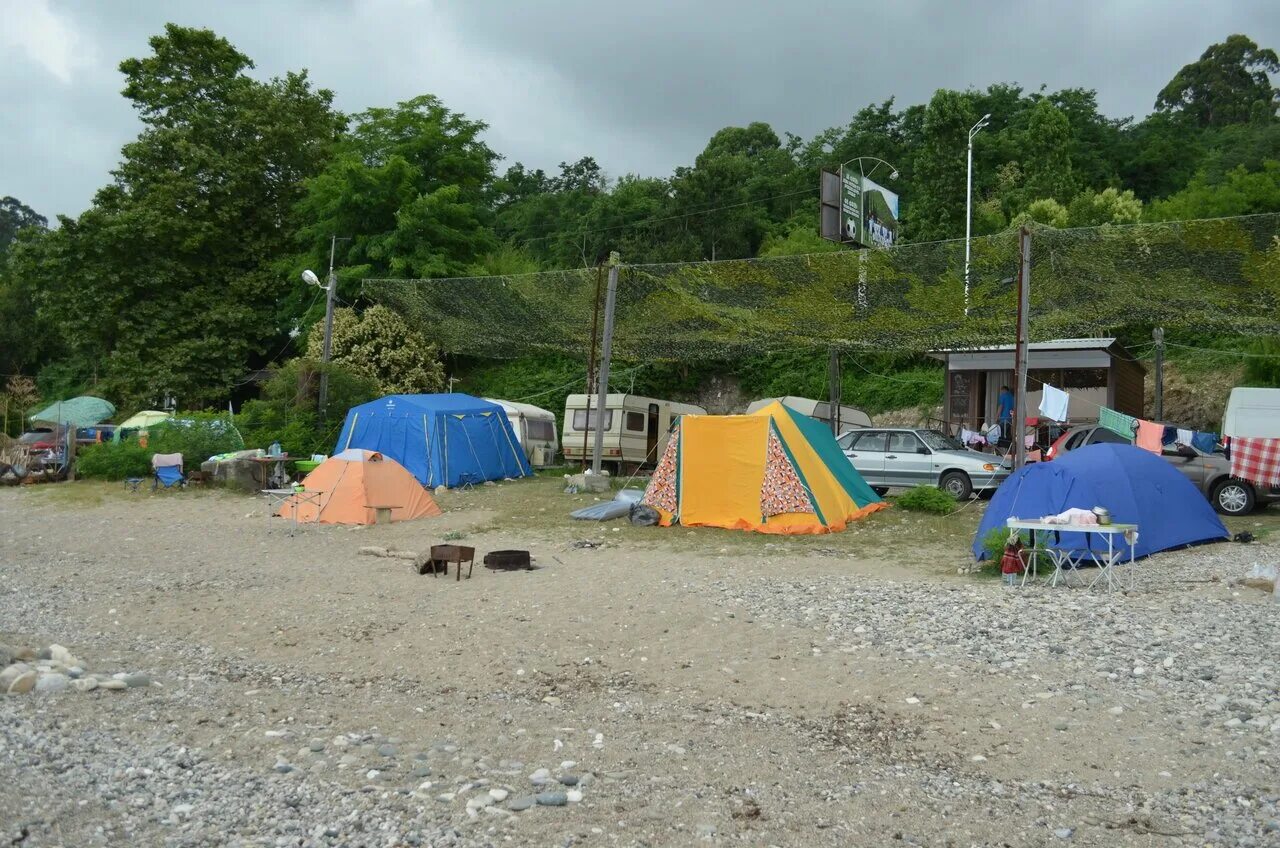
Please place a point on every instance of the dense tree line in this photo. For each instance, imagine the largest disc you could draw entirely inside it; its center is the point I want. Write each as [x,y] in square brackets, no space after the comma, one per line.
[183,275]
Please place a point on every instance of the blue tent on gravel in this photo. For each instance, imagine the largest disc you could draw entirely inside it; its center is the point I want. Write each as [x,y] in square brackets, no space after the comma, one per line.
[442,439]
[1137,486]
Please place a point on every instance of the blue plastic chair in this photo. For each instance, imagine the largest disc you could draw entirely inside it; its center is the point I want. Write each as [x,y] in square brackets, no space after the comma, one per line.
[168,476]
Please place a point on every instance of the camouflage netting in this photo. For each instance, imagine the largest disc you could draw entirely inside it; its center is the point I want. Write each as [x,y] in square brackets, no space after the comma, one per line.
[1219,275]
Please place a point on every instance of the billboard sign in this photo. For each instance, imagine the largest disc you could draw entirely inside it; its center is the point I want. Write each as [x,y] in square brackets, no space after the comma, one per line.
[868,211]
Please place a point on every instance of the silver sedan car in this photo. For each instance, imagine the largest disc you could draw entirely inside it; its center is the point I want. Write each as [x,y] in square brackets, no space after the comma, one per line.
[912,457]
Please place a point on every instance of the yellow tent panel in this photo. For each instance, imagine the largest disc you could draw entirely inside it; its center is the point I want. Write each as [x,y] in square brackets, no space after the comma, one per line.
[773,471]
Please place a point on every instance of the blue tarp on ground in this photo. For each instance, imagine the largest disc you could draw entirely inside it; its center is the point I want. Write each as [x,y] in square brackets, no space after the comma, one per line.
[442,439]
[1137,486]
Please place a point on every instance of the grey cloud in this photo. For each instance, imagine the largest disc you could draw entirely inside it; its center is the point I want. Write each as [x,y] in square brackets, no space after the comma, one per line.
[640,86]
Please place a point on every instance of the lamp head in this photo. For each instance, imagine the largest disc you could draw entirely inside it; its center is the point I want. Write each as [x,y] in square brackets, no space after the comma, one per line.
[309,277]
[893,175]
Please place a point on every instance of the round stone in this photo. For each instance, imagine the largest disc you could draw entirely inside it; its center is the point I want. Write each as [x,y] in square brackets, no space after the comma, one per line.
[52,682]
[551,799]
[524,802]
[24,682]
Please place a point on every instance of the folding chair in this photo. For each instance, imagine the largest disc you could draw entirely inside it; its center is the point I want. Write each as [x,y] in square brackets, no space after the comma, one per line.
[168,471]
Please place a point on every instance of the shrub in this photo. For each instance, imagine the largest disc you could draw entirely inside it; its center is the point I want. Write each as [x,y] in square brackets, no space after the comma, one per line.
[927,499]
[286,413]
[993,544]
[113,461]
[195,435]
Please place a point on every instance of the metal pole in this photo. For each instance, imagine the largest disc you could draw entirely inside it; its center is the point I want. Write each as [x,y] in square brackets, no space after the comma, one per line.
[1157,335]
[610,300]
[834,390]
[862,279]
[1020,354]
[591,360]
[968,219]
[328,330]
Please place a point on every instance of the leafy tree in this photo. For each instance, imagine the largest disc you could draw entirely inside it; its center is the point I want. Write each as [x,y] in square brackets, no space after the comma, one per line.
[14,216]
[1229,84]
[1241,193]
[1047,154]
[405,193]
[286,412]
[379,345]
[796,238]
[937,211]
[1046,211]
[1109,206]
[176,254]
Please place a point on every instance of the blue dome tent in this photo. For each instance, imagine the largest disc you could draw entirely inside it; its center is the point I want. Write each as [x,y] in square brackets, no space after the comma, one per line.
[1137,486]
[442,439]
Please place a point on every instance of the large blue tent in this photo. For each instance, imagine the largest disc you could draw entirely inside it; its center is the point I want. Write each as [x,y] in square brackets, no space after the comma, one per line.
[443,439]
[1137,486]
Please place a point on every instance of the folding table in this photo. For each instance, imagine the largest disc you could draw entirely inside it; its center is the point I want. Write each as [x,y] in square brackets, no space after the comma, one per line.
[1067,561]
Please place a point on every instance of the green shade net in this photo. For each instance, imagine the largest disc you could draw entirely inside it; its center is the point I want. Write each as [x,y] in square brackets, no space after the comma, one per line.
[81,411]
[1220,275]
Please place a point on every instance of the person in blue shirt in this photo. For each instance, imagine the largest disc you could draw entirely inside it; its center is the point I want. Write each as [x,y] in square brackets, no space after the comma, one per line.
[1005,405]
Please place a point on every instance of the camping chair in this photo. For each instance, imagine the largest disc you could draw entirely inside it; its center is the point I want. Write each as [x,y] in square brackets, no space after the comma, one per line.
[168,471]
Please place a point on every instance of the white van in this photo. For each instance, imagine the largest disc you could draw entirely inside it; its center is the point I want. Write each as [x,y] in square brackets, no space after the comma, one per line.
[851,418]
[1253,413]
[635,427]
[535,429]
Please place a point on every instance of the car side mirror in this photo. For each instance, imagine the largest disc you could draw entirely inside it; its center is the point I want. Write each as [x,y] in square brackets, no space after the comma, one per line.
[922,450]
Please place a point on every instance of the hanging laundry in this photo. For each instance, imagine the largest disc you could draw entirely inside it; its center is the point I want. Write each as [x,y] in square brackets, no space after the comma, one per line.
[966,436]
[1054,403]
[1170,435]
[1256,460]
[1116,422]
[1204,442]
[1149,436]
[1183,437]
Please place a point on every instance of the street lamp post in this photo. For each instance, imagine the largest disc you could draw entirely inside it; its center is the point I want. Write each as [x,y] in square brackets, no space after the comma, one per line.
[331,289]
[968,204]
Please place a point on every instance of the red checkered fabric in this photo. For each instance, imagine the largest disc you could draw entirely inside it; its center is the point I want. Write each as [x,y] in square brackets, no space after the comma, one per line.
[1256,460]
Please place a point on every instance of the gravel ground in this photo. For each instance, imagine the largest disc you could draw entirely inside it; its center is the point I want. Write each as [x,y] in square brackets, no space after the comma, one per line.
[659,690]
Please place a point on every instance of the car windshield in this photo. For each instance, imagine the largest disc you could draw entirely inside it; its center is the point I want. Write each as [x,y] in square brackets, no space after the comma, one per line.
[939,441]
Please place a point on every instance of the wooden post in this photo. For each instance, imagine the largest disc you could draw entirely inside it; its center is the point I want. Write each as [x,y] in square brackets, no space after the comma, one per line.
[1020,350]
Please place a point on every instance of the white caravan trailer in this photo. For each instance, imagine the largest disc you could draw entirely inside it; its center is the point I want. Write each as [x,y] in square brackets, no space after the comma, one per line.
[635,427]
[1253,413]
[535,429]
[851,418]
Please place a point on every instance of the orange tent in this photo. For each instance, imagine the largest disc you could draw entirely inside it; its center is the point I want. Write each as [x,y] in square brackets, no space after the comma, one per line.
[355,482]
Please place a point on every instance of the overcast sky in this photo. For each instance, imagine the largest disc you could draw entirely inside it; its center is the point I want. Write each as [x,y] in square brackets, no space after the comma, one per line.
[640,85]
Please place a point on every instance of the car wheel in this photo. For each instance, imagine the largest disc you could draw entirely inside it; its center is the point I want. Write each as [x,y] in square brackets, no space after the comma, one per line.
[880,490]
[956,484]
[1233,497]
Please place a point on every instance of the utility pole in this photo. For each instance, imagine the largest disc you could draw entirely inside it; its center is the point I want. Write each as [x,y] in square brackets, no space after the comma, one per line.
[1020,350]
[328,329]
[1157,335]
[606,352]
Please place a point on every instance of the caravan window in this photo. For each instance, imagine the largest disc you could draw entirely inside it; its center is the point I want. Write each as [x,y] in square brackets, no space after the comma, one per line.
[540,430]
[582,422]
[635,422]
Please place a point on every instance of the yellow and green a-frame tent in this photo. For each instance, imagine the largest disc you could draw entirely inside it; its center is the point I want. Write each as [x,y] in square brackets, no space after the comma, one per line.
[771,471]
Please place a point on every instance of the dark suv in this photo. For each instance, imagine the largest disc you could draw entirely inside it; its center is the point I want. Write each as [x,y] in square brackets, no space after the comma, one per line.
[1210,472]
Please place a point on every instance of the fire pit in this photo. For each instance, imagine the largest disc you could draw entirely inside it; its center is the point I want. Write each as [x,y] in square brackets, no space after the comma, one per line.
[508,560]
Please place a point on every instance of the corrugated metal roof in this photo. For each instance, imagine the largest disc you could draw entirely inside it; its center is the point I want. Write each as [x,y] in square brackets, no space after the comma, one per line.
[1055,344]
